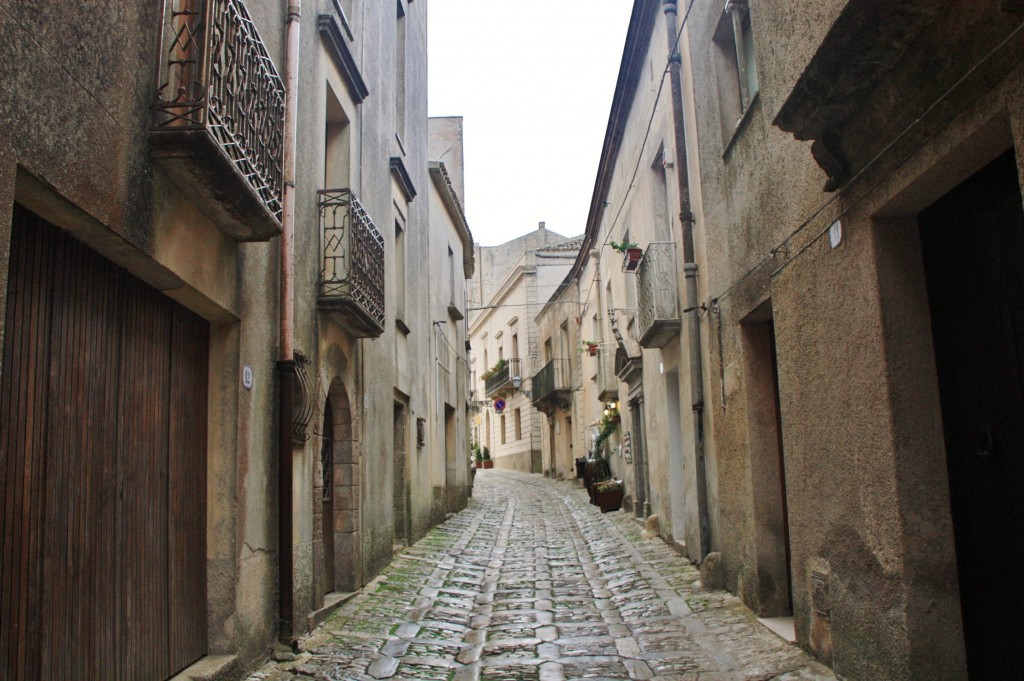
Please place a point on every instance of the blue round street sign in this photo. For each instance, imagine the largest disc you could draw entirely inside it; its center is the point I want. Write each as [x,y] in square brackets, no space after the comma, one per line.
[499,405]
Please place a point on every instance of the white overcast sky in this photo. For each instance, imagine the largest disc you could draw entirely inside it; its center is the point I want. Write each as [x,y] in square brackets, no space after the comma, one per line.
[534,81]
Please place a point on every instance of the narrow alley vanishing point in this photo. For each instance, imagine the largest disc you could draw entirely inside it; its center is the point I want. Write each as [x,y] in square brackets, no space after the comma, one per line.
[532,582]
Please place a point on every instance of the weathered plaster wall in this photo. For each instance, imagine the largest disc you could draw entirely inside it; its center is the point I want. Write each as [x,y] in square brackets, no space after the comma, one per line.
[864,460]
[74,148]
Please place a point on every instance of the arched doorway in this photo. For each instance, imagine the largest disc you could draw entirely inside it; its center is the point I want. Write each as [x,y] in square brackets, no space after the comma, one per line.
[327,497]
[338,496]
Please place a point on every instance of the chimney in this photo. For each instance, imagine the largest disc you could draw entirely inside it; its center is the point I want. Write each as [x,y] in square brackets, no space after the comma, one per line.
[540,225]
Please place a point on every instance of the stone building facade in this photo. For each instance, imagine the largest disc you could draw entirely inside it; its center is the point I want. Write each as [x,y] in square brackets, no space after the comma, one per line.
[855,421]
[845,198]
[512,281]
[633,349]
[207,427]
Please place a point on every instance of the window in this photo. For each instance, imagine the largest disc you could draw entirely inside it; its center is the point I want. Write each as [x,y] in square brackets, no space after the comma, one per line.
[502,429]
[519,424]
[515,345]
[735,66]
[659,195]
[399,271]
[337,144]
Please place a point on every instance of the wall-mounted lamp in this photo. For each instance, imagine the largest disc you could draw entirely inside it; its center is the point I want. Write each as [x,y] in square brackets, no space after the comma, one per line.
[517,381]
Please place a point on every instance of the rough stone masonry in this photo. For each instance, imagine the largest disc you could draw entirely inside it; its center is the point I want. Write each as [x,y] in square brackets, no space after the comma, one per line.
[533,583]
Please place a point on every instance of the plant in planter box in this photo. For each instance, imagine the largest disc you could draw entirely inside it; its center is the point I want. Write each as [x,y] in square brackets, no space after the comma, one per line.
[478,456]
[608,485]
[608,495]
[486,453]
[493,370]
[591,347]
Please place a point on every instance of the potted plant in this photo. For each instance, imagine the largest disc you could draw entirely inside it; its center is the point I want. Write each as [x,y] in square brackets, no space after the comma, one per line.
[486,453]
[591,346]
[609,424]
[493,370]
[608,495]
[631,254]
[595,470]
[478,456]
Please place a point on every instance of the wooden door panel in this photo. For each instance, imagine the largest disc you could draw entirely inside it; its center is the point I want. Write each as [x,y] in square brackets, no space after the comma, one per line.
[103,474]
[973,245]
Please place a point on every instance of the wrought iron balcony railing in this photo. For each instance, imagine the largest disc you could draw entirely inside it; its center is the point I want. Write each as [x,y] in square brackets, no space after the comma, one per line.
[219,126]
[607,381]
[553,382]
[657,287]
[501,380]
[352,274]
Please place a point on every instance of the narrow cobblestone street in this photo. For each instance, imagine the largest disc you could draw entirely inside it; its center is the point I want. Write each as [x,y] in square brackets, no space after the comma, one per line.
[532,582]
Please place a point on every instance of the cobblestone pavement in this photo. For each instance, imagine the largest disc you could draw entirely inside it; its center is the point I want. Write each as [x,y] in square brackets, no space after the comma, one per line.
[531,582]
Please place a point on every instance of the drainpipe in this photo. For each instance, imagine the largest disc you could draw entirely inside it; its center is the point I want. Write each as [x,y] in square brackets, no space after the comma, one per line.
[286,365]
[595,254]
[690,275]
[291,104]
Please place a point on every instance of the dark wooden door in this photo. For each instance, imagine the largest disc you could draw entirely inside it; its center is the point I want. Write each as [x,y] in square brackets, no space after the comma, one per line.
[102,469]
[973,245]
[327,464]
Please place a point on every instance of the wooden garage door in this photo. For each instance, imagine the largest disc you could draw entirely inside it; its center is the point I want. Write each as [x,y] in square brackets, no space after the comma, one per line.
[102,469]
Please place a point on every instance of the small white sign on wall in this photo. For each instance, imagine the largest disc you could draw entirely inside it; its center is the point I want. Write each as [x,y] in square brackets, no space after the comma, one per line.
[835,234]
[247,377]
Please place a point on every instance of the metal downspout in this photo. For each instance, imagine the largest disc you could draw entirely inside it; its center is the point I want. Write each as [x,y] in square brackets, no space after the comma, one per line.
[690,275]
[288,208]
[286,363]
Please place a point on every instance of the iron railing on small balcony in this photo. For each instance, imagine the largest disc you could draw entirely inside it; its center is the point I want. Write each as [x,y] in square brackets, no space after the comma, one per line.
[352,270]
[552,381]
[217,80]
[502,378]
[657,287]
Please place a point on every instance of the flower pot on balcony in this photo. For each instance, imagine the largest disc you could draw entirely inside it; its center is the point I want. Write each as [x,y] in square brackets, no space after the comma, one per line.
[631,259]
[592,350]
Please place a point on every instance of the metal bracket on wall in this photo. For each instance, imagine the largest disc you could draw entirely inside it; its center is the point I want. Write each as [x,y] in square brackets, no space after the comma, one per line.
[304,396]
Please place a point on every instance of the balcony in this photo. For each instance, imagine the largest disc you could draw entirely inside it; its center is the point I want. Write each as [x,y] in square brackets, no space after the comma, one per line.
[501,380]
[352,274]
[219,116]
[552,385]
[658,314]
[607,381]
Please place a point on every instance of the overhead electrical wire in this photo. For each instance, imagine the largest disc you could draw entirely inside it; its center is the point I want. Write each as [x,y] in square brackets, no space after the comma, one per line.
[868,166]
[647,134]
